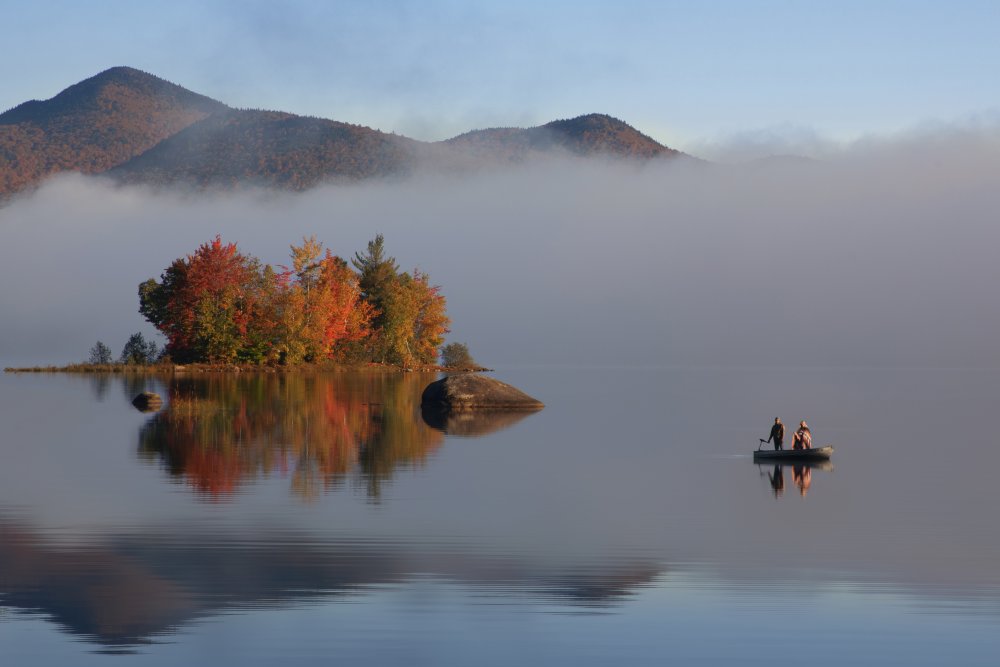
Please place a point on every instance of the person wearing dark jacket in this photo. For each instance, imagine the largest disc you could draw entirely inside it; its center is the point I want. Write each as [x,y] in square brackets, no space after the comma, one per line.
[777,434]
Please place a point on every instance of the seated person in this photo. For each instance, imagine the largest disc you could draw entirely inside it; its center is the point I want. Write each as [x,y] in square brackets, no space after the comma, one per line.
[803,438]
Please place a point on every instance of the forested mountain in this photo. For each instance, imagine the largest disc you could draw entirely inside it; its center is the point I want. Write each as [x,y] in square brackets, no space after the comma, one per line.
[270,148]
[94,125]
[593,134]
[139,128]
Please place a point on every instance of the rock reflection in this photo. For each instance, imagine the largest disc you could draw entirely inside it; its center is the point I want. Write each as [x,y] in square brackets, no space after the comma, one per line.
[319,430]
[470,424]
[801,476]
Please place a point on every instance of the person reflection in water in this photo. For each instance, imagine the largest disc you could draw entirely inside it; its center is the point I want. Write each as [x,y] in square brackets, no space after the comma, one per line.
[802,476]
[777,479]
[777,434]
[803,438]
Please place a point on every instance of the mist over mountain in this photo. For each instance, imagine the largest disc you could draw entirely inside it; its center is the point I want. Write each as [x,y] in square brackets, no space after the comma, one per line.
[141,129]
[269,148]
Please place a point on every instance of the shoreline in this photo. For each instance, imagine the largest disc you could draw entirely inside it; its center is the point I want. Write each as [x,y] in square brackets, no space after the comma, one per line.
[171,369]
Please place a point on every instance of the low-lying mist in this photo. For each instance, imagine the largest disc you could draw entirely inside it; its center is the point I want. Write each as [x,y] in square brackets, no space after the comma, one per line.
[880,255]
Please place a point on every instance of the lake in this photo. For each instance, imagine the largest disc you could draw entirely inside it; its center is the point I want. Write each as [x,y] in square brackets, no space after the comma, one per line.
[313,518]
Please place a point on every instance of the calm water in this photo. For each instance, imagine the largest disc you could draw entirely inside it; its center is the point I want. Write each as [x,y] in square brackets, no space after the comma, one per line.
[319,518]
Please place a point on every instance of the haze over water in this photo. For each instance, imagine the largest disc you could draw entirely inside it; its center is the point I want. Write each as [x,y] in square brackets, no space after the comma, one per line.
[879,256]
[665,316]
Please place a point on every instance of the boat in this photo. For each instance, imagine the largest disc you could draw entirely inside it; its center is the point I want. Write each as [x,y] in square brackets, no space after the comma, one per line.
[792,455]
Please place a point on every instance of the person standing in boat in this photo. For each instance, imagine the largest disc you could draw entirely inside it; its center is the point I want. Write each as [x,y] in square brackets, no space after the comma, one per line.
[777,434]
[803,438]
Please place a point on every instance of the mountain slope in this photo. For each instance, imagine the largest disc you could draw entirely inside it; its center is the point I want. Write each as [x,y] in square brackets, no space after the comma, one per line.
[94,125]
[269,148]
[589,135]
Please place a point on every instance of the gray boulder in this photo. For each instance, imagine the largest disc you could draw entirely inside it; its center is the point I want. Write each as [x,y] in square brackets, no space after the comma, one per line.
[471,391]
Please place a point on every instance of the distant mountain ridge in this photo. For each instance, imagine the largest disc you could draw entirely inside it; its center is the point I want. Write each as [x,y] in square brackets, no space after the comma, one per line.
[94,125]
[593,134]
[139,128]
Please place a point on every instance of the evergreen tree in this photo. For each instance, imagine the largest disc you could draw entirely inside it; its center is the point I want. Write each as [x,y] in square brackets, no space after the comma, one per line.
[138,351]
[378,276]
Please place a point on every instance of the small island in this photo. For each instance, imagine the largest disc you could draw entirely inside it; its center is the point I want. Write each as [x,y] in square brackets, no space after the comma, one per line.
[222,310]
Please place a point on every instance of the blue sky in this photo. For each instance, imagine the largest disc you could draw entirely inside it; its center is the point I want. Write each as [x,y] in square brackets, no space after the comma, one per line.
[688,73]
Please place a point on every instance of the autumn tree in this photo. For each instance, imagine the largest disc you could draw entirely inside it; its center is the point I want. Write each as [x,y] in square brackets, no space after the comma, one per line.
[322,309]
[206,303]
[414,320]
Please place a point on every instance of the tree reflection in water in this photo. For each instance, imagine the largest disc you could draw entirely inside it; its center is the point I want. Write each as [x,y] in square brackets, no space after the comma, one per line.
[220,431]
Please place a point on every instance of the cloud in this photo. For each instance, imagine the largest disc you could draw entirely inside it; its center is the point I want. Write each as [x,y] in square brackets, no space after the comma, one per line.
[880,254]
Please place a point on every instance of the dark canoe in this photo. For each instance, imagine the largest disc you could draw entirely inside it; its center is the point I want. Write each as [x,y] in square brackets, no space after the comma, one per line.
[789,455]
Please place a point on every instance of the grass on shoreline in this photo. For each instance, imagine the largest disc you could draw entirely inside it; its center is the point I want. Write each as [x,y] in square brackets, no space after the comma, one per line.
[169,368]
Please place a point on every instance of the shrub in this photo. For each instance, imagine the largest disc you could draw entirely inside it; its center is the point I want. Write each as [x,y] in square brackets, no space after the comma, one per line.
[456,355]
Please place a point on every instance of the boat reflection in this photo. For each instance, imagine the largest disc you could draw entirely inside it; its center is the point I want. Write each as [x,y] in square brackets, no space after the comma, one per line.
[801,475]
[219,432]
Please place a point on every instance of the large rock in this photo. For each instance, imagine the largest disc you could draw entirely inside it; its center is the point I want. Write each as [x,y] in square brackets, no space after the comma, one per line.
[471,391]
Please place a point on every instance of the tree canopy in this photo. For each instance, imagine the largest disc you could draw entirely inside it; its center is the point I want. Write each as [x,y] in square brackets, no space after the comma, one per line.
[219,305]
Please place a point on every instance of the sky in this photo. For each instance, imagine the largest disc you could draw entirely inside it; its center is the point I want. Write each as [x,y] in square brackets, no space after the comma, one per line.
[699,76]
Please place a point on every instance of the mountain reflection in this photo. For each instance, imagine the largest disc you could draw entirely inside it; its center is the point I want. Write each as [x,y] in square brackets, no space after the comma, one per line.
[130,589]
[219,432]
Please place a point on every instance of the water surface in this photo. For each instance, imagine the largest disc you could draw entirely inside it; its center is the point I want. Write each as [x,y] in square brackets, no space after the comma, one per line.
[299,517]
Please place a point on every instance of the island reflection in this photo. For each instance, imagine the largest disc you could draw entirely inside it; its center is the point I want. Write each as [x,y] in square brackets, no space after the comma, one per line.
[221,431]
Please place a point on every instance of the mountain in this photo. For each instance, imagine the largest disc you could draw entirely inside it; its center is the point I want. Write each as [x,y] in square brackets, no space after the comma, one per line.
[94,125]
[593,134]
[139,128]
[269,148]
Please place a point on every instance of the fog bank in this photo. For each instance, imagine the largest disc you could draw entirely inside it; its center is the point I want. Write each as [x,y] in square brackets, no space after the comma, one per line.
[881,254]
